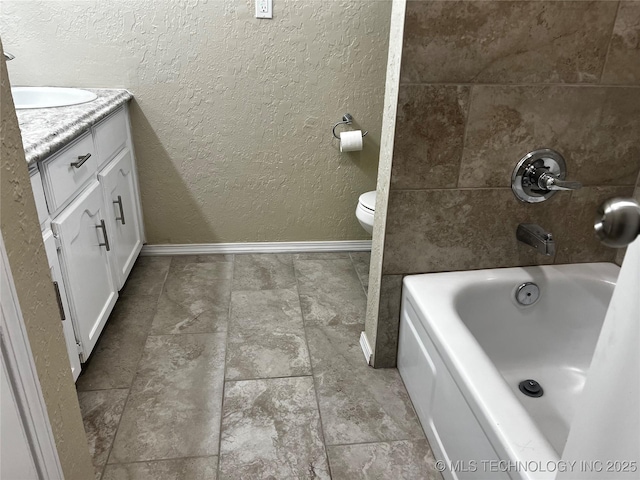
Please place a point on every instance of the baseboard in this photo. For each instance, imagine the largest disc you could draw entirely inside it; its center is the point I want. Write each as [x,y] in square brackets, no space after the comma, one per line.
[366,349]
[257,247]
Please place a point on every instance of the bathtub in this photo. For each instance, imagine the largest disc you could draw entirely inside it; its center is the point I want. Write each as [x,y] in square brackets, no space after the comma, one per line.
[465,344]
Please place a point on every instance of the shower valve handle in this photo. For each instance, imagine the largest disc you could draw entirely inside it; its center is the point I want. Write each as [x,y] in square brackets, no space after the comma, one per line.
[548,181]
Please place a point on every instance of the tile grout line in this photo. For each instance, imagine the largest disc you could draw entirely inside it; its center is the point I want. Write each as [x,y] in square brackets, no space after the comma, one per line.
[266,378]
[380,441]
[102,389]
[168,459]
[224,370]
[126,401]
[353,263]
[313,377]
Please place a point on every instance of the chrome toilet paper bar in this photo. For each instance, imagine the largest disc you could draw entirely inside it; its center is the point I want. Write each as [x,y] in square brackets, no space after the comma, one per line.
[346,120]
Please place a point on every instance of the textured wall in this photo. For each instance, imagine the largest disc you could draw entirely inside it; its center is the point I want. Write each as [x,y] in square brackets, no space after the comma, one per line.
[28,262]
[481,84]
[232,118]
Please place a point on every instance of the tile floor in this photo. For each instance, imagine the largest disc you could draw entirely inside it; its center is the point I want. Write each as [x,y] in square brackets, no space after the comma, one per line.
[246,367]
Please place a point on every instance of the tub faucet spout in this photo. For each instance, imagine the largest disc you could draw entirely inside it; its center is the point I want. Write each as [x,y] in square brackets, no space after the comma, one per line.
[537,237]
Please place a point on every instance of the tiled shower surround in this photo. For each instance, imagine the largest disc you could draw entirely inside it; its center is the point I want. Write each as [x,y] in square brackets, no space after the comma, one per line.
[481,84]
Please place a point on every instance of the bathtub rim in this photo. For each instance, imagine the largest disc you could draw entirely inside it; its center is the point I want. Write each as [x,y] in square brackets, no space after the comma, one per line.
[507,424]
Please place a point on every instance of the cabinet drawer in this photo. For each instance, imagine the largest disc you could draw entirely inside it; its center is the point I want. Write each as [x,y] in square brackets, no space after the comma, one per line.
[65,173]
[111,136]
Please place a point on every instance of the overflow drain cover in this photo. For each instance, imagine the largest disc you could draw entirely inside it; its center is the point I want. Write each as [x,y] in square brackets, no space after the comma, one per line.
[527,293]
[531,388]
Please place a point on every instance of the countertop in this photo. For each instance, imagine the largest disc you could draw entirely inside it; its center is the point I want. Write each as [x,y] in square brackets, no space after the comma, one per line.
[46,130]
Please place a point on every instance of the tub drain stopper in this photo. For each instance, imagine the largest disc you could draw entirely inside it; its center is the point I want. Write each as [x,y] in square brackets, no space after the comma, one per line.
[531,388]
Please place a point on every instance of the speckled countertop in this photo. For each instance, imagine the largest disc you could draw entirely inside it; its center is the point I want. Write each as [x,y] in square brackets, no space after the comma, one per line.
[46,130]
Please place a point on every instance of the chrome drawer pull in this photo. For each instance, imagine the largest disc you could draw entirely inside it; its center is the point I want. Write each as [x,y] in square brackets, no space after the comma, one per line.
[106,238]
[119,203]
[81,160]
[59,298]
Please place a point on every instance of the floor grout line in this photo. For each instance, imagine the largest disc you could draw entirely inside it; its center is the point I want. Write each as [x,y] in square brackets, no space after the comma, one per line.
[102,389]
[313,377]
[266,378]
[375,442]
[365,289]
[168,459]
[224,370]
[124,406]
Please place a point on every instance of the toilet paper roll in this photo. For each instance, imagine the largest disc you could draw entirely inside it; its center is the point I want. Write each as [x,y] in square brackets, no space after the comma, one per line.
[351,141]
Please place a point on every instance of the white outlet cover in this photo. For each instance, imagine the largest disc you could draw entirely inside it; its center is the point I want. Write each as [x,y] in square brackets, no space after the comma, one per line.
[264,8]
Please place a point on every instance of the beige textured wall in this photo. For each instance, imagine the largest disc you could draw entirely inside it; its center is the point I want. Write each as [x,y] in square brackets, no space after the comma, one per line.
[483,83]
[23,241]
[232,118]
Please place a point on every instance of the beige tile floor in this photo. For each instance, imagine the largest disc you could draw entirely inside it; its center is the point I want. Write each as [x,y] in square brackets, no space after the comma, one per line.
[246,367]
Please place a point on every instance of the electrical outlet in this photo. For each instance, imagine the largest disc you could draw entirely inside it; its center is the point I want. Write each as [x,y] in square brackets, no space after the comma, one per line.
[264,8]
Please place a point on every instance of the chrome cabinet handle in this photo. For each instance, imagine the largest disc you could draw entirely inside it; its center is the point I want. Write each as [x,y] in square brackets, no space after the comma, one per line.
[59,298]
[119,203]
[106,238]
[81,160]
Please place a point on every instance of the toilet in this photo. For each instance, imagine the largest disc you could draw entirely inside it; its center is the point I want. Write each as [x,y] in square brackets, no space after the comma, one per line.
[366,209]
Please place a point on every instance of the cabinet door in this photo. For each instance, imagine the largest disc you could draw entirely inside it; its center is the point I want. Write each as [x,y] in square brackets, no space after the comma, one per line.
[118,184]
[63,304]
[84,247]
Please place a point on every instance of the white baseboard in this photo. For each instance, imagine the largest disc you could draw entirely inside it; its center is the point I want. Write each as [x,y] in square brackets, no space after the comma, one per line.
[366,348]
[257,247]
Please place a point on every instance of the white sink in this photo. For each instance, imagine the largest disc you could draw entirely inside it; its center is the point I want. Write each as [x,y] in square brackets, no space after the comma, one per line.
[47,97]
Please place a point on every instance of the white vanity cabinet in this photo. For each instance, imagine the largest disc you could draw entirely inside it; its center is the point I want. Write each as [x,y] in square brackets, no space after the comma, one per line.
[63,304]
[84,253]
[123,222]
[89,208]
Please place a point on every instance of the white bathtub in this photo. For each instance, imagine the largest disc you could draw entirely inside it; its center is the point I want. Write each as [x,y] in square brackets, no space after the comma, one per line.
[465,344]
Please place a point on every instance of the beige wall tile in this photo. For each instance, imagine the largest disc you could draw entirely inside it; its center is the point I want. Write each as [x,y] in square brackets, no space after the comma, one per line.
[580,244]
[429,136]
[506,41]
[442,230]
[623,60]
[386,348]
[594,128]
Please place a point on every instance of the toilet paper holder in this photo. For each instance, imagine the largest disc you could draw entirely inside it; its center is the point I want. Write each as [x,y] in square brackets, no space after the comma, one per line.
[346,120]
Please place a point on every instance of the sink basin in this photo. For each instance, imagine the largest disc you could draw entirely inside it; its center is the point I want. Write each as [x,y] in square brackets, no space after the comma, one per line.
[47,97]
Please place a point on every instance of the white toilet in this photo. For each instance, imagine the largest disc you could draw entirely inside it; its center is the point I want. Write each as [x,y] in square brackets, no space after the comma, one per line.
[366,209]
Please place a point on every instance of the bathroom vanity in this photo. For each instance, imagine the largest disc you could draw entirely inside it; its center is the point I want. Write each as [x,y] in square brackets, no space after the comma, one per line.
[84,181]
